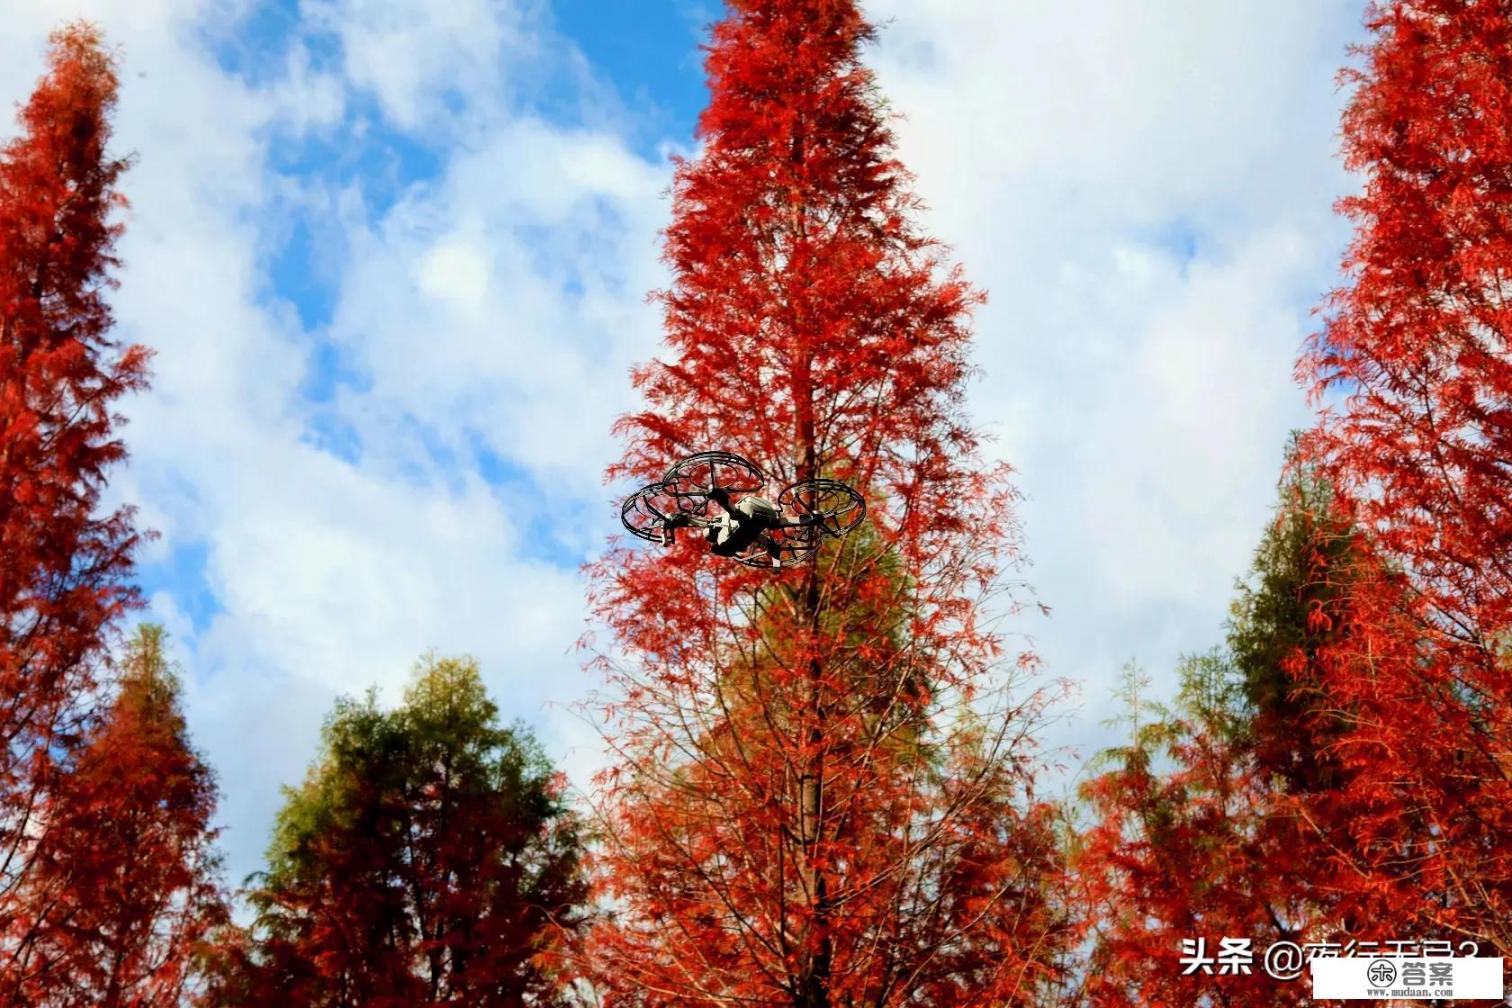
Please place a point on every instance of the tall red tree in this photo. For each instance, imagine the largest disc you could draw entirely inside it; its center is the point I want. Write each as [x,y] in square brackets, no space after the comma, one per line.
[63,560]
[1416,367]
[811,807]
[123,892]
[106,871]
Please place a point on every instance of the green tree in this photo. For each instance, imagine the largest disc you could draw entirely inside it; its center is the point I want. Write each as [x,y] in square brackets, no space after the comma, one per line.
[1282,617]
[427,859]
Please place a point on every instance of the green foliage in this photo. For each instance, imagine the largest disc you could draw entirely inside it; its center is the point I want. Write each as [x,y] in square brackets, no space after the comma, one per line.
[373,763]
[1281,620]
[1269,618]
[428,856]
[150,681]
[1255,693]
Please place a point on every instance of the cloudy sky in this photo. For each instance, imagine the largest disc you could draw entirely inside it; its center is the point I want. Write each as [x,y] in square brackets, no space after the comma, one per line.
[393,258]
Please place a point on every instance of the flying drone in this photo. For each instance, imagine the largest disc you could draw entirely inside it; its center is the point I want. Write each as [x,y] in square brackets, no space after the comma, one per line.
[718,493]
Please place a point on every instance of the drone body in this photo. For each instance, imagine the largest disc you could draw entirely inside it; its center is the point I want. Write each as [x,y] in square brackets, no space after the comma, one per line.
[718,492]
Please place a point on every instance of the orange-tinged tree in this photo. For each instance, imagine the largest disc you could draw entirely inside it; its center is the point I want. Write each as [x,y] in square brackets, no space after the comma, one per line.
[124,890]
[1185,848]
[1223,817]
[63,559]
[107,876]
[1415,366]
[817,800]
[1363,790]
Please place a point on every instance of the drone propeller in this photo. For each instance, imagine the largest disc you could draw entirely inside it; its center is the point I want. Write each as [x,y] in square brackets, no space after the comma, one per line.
[828,505]
[712,475]
[648,513]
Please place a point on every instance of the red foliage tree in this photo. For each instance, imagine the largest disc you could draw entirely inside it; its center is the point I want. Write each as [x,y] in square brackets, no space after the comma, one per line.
[1415,365]
[1221,817]
[63,562]
[1185,849]
[811,807]
[122,893]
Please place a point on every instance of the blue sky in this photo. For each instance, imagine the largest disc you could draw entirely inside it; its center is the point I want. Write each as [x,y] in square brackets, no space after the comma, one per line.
[393,257]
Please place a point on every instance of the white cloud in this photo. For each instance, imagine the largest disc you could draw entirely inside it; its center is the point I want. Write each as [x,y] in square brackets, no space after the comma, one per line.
[507,301]
[1145,191]
[455,271]
[425,62]
[332,573]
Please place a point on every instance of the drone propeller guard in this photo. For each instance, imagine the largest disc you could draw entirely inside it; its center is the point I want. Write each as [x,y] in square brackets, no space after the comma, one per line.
[719,493]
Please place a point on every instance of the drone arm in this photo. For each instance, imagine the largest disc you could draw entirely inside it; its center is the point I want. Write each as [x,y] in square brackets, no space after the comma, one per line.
[810,520]
[772,548]
[719,495]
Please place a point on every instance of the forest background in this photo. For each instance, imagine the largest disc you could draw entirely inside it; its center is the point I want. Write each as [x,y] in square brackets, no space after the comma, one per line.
[359,232]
